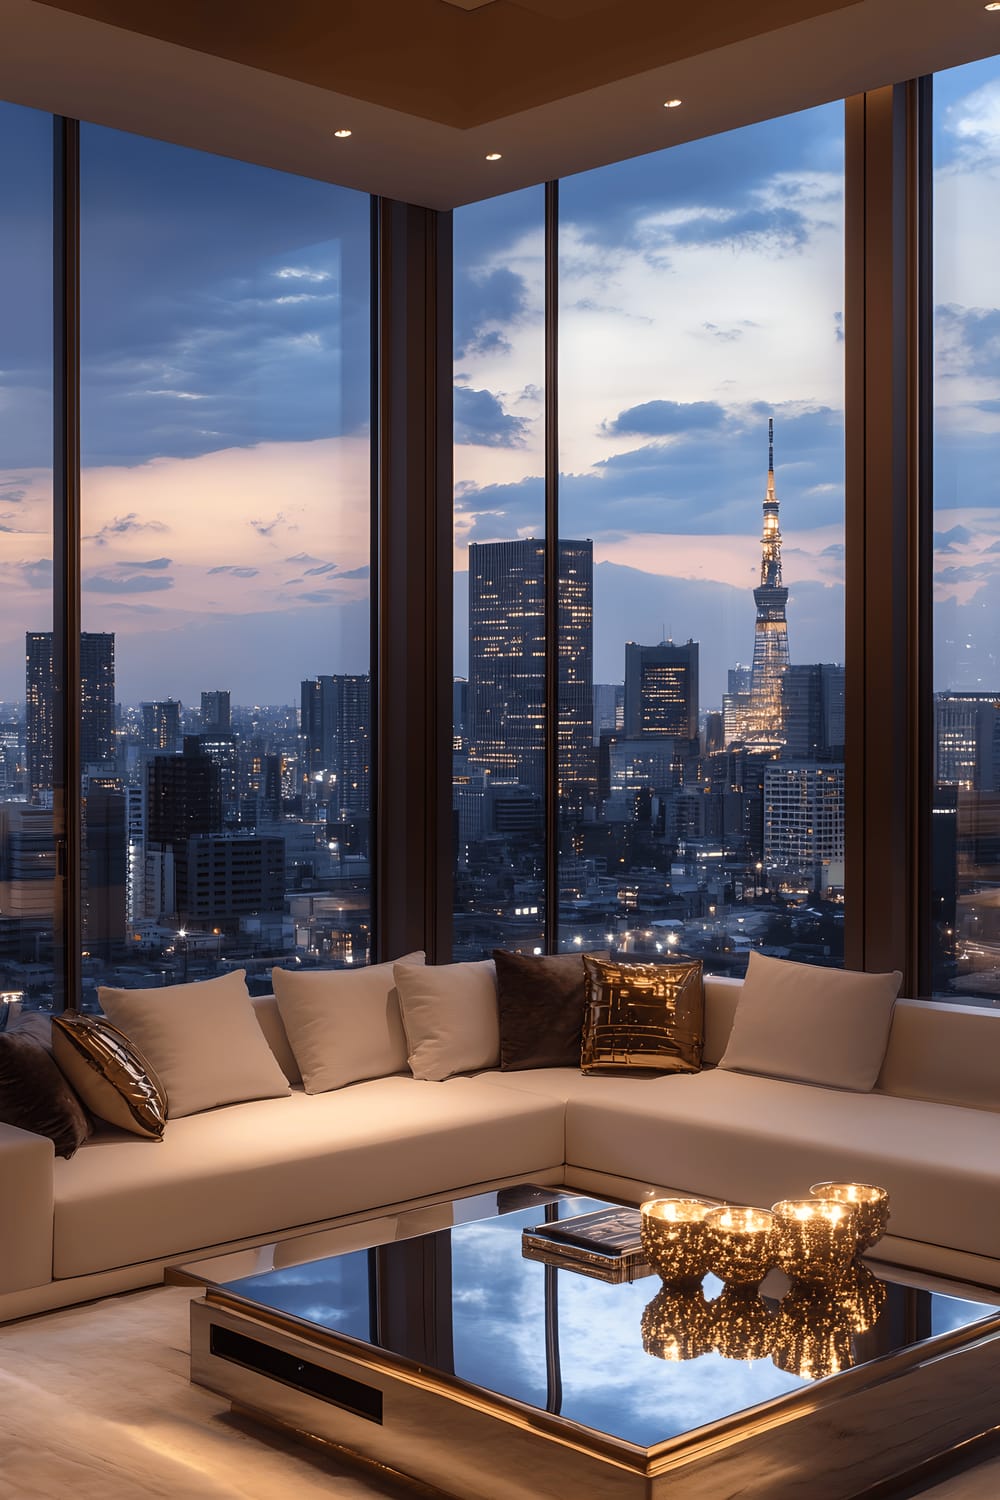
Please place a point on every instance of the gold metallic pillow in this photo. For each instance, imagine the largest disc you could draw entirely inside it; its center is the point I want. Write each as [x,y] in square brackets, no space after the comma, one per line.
[643,1016]
[109,1073]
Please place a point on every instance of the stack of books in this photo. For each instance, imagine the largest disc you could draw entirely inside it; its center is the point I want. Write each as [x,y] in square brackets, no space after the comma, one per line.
[606,1244]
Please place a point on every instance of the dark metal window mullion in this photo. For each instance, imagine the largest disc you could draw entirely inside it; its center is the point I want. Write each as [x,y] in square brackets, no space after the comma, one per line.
[922,510]
[67,694]
[551,904]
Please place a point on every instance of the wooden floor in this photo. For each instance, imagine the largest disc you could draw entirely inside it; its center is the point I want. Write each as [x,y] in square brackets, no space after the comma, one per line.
[95,1404]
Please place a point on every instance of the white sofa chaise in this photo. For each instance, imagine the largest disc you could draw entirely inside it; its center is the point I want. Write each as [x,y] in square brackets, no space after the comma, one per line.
[112,1217]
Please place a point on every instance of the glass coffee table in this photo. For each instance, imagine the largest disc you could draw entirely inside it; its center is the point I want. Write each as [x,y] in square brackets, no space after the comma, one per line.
[427,1343]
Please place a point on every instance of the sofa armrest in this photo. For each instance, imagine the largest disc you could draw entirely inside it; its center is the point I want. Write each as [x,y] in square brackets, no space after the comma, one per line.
[26,1208]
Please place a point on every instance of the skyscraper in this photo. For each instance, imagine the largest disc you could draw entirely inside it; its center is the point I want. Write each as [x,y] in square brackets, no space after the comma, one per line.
[506,714]
[335,734]
[661,691]
[97,706]
[183,801]
[216,715]
[161,726]
[763,720]
[812,699]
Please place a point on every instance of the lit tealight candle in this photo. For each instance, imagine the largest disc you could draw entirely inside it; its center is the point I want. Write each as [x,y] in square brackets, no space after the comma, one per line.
[742,1241]
[871,1205]
[815,1238]
[674,1238]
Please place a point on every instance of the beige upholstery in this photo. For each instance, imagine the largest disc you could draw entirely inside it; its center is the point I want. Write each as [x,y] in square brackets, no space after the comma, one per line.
[721,998]
[754,1140]
[26,1163]
[267,1164]
[950,1053]
[265,1008]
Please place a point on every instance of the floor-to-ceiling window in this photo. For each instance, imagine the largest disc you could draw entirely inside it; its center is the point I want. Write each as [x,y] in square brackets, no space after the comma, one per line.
[965,819]
[226,795]
[702,786]
[27,846]
[499,688]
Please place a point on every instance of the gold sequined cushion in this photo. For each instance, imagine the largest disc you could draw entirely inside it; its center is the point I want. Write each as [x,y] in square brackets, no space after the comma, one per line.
[109,1073]
[643,1016]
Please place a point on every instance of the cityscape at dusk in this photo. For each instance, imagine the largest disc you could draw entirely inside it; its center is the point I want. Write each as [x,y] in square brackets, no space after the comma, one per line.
[226,536]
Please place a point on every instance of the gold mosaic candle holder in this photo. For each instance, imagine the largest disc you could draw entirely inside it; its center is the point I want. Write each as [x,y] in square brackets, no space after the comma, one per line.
[861,1297]
[741,1242]
[815,1238]
[871,1204]
[743,1326]
[812,1338]
[677,1324]
[674,1238]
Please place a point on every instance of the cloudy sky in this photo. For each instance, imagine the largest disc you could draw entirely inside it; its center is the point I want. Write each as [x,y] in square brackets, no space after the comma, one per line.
[225,348]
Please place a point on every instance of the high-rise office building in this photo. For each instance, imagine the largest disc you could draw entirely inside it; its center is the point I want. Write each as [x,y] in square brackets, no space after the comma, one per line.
[804,823]
[763,717]
[335,735]
[506,714]
[812,699]
[661,691]
[967,741]
[161,726]
[232,877]
[97,705]
[216,714]
[609,709]
[183,800]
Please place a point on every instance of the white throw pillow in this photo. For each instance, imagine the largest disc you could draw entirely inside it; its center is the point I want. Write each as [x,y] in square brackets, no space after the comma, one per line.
[202,1040]
[450,1017]
[826,1026]
[343,1024]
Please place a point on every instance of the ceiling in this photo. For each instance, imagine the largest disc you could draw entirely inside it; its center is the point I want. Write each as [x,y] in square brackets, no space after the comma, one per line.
[429,87]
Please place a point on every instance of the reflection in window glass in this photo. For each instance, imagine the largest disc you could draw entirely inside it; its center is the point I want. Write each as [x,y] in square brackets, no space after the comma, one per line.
[499,694]
[27,699]
[965,822]
[701,295]
[226,792]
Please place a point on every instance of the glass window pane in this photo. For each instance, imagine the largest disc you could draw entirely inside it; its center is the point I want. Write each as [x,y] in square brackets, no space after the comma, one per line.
[965,821]
[225,394]
[27,698]
[701,296]
[499,708]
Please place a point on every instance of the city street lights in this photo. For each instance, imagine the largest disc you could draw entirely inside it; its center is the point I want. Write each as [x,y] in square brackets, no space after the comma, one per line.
[182,944]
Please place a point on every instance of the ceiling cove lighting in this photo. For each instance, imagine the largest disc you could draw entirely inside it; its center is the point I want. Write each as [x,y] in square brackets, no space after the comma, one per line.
[672,103]
[342,135]
[494,156]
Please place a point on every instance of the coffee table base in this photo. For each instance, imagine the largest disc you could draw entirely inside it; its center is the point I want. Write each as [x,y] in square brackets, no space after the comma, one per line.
[831,1441]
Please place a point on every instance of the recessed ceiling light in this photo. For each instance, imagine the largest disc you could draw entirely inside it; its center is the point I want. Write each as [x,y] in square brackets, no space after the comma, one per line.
[494,156]
[672,103]
[343,134]
[993,5]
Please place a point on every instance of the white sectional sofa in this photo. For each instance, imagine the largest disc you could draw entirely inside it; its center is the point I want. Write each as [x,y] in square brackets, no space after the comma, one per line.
[115,1214]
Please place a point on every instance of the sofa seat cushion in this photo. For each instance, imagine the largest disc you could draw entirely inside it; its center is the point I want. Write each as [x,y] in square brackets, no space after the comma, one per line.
[274,1164]
[754,1140]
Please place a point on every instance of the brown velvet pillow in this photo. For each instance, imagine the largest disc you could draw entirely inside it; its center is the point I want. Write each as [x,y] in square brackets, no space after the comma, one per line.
[34,1094]
[540,1000]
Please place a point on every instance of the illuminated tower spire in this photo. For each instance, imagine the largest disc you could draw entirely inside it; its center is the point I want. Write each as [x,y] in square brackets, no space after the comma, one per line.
[765,717]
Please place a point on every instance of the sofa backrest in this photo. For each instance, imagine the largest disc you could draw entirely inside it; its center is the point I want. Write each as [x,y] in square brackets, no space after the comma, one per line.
[721,995]
[270,1022]
[948,1053]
